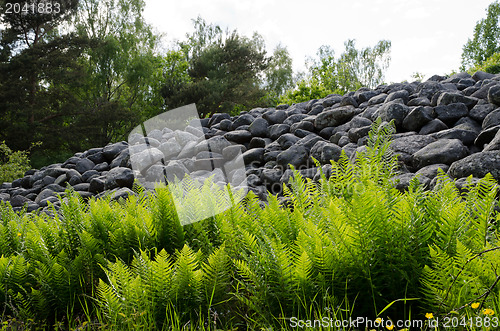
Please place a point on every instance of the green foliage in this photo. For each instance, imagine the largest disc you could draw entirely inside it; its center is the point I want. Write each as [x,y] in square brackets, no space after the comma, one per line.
[484,43]
[418,76]
[349,245]
[304,91]
[78,79]
[279,74]
[491,65]
[220,72]
[352,70]
[465,248]
[38,78]
[122,68]
[13,164]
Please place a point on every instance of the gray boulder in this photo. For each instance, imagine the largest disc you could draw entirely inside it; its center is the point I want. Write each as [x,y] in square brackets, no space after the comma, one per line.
[334,117]
[417,118]
[119,177]
[444,151]
[239,136]
[435,125]
[447,98]
[277,130]
[492,119]
[494,145]
[215,144]
[466,135]
[494,95]
[259,127]
[217,118]
[170,149]
[274,116]
[296,155]
[486,136]
[431,171]
[480,111]
[143,160]
[287,140]
[254,156]
[394,110]
[244,119]
[230,152]
[84,165]
[477,165]
[451,112]
[112,151]
[46,193]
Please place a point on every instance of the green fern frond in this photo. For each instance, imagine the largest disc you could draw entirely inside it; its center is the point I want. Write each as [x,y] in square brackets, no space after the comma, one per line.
[480,201]
[216,275]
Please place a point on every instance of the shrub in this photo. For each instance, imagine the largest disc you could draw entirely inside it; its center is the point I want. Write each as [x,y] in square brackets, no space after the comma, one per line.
[304,91]
[13,164]
[491,65]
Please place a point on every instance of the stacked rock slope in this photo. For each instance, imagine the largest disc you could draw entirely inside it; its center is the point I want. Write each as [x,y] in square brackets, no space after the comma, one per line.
[450,123]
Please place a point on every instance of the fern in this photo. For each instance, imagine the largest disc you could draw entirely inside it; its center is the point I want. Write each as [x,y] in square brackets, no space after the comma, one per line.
[480,202]
[216,276]
[168,231]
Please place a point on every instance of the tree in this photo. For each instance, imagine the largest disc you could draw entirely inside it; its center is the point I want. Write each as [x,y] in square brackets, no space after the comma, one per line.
[351,70]
[122,68]
[224,71]
[485,41]
[77,81]
[279,74]
[38,69]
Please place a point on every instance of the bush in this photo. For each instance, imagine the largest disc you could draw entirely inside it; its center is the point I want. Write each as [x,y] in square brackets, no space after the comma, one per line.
[12,164]
[491,65]
[304,91]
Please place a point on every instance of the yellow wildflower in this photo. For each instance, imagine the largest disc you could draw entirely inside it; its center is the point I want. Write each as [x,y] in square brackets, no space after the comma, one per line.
[390,326]
[378,320]
[19,234]
[429,315]
[488,311]
[475,305]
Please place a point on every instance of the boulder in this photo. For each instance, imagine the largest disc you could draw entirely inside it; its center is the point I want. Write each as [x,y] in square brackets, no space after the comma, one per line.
[334,117]
[444,151]
[492,119]
[477,165]
[451,112]
[287,140]
[417,118]
[239,136]
[112,151]
[119,177]
[259,127]
[296,156]
[431,171]
[277,130]
[494,95]
[274,116]
[394,110]
[494,145]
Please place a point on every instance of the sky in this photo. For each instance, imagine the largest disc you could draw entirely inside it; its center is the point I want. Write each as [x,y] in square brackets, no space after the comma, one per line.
[427,36]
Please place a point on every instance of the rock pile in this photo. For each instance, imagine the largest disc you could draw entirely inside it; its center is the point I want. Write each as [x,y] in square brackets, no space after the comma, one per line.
[450,123]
